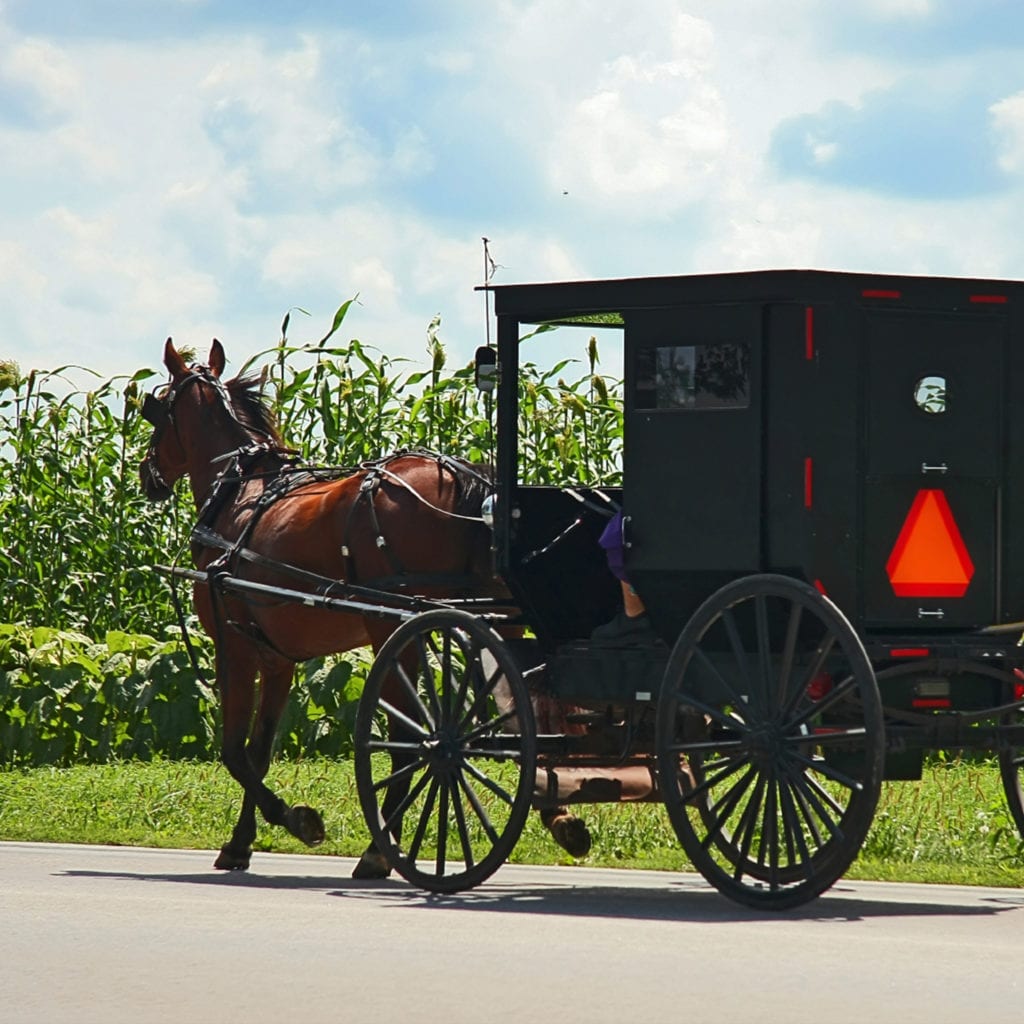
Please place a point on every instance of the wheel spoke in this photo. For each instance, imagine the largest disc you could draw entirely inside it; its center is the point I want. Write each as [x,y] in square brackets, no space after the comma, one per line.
[478,807]
[825,796]
[400,775]
[739,651]
[724,718]
[765,673]
[414,727]
[796,612]
[442,831]
[485,780]
[824,768]
[721,811]
[424,821]
[452,787]
[423,658]
[412,693]
[708,665]
[710,781]
[814,669]
[840,691]
[405,803]
[770,834]
[396,746]
[490,726]
[807,814]
[796,845]
[803,785]
[748,824]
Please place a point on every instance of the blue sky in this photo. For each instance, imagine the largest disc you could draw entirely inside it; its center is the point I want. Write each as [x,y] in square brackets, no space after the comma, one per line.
[197,168]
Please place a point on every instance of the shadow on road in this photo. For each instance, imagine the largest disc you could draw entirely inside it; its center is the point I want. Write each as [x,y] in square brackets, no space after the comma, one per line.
[688,899]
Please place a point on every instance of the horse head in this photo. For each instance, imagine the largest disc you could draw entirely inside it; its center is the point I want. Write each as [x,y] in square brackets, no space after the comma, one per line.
[184,438]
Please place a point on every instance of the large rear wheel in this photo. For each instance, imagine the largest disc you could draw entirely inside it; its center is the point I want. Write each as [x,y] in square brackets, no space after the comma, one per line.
[1011,760]
[770,741]
[445,751]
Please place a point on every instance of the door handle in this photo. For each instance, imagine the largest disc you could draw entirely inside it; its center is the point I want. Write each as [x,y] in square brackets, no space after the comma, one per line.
[941,468]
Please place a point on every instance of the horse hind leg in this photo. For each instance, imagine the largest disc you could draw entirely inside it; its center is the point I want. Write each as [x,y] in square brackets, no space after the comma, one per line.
[571,833]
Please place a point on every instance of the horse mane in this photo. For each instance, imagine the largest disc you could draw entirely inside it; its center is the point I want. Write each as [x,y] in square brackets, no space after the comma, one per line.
[250,408]
[475,481]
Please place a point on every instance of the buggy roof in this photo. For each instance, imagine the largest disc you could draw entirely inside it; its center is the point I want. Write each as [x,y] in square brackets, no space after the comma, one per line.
[602,302]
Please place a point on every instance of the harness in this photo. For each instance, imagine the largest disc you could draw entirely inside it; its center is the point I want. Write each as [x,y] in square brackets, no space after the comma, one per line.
[284,479]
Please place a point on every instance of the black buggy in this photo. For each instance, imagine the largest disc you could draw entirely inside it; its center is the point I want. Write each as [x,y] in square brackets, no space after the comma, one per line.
[823,481]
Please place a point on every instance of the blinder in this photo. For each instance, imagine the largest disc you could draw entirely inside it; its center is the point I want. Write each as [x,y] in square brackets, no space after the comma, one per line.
[154,410]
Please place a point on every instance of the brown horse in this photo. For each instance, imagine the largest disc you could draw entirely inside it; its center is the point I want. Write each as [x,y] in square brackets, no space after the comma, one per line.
[414,516]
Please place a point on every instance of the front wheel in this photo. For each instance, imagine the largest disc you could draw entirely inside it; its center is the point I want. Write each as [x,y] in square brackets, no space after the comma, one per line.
[445,751]
[770,741]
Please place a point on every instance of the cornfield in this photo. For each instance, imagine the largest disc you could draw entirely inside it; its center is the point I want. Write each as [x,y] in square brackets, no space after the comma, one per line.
[79,539]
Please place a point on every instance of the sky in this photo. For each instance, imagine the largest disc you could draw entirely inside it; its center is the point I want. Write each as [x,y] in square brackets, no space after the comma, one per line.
[199,168]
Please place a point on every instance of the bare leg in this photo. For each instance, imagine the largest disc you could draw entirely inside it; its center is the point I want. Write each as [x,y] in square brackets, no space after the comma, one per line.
[631,602]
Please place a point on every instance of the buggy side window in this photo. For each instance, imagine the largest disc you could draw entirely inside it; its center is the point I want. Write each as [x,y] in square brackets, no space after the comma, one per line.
[930,394]
[702,375]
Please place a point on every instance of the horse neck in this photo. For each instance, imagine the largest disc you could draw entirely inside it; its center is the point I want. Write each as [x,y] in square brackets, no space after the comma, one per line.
[211,461]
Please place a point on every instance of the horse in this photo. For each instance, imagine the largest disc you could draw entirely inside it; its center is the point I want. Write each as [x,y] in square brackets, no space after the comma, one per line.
[411,515]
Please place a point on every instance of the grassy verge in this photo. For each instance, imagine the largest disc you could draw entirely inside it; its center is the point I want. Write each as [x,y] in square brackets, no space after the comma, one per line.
[951,827]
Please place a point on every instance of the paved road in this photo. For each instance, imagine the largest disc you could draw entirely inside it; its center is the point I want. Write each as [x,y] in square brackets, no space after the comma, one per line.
[105,935]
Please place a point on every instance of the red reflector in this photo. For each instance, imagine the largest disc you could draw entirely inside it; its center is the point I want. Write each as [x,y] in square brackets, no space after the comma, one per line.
[820,686]
[997,300]
[809,332]
[880,293]
[909,652]
[931,702]
[808,483]
[929,558]
[1018,691]
[820,587]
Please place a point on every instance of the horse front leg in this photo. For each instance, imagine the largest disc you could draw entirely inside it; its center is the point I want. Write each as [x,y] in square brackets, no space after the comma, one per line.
[246,754]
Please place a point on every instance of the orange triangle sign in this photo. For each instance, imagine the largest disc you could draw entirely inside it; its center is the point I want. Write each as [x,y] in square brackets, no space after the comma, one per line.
[929,558]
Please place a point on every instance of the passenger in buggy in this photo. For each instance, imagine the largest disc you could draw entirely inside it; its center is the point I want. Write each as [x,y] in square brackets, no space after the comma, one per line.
[632,625]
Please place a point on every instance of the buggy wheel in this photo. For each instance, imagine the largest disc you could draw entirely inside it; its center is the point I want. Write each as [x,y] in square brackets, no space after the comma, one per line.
[1011,767]
[770,741]
[445,751]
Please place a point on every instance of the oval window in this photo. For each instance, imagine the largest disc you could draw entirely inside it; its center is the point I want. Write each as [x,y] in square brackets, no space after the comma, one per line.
[930,394]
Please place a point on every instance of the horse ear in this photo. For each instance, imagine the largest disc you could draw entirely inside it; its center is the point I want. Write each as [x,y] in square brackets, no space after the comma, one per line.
[173,361]
[217,358]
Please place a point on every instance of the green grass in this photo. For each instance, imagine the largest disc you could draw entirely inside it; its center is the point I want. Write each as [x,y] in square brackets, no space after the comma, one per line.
[951,827]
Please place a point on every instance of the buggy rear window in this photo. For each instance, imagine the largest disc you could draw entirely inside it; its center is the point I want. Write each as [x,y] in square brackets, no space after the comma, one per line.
[703,375]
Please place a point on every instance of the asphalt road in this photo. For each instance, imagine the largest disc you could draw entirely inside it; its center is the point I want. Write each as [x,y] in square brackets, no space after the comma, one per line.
[112,935]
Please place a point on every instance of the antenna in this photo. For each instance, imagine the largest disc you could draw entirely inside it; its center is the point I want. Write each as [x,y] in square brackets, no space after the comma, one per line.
[489,267]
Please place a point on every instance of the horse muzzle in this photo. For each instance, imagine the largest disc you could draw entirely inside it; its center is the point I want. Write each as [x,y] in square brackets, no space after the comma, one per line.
[154,486]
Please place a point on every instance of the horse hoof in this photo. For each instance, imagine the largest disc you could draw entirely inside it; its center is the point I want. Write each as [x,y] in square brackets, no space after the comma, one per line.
[231,860]
[371,865]
[306,824]
[571,834]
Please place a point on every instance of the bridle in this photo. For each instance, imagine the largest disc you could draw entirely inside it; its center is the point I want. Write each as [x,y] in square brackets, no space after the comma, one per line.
[158,409]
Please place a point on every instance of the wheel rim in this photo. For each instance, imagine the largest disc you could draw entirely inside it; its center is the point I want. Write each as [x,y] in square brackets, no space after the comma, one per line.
[770,741]
[445,725]
[1011,766]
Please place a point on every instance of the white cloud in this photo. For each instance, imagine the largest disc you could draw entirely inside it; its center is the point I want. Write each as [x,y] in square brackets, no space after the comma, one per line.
[897,9]
[1008,123]
[204,186]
